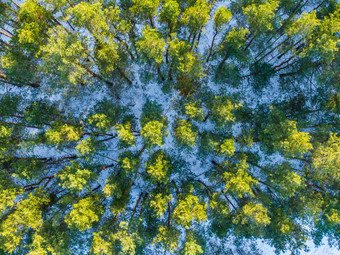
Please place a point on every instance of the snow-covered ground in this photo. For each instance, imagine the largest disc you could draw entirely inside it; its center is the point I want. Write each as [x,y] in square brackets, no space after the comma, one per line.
[323,249]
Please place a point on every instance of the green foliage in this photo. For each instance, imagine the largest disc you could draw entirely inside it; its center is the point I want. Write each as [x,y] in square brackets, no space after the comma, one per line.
[191,247]
[260,15]
[125,135]
[129,162]
[209,143]
[101,121]
[287,182]
[239,181]
[168,236]
[74,177]
[196,16]
[5,134]
[118,187]
[27,169]
[235,40]
[185,61]
[33,23]
[107,56]
[8,193]
[283,135]
[86,147]
[151,45]
[94,17]
[194,111]
[221,17]
[81,166]
[153,133]
[144,8]
[28,214]
[319,35]
[228,73]
[158,167]
[68,51]
[84,213]
[100,245]
[326,158]
[170,12]
[188,209]
[127,240]
[253,213]
[63,133]
[152,111]
[222,110]
[39,113]
[227,147]
[297,143]
[184,133]
[159,203]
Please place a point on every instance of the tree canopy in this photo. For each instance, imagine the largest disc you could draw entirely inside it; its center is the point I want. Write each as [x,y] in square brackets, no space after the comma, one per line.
[168,127]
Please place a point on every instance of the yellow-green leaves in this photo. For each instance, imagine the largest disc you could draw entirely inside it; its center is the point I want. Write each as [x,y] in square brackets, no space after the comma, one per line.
[7,198]
[62,55]
[333,216]
[188,209]
[227,147]
[85,147]
[27,215]
[125,238]
[287,181]
[151,45]
[185,60]
[159,203]
[194,111]
[5,134]
[319,35]
[253,213]
[158,167]
[170,12]
[304,26]
[260,15]
[125,135]
[145,8]
[100,121]
[153,133]
[168,237]
[236,38]
[222,110]
[33,23]
[221,17]
[196,16]
[107,56]
[191,246]
[297,143]
[100,246]
[283,135]
[84,213]
[240,182]
[185,134]
[64,133]
[93,16]
[74,177]
[326,158]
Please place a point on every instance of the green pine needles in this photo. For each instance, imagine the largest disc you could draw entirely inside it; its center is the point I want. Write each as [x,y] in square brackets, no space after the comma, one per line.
[168,126]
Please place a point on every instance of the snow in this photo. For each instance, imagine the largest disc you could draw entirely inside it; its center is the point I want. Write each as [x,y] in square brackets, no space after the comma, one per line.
[135,96]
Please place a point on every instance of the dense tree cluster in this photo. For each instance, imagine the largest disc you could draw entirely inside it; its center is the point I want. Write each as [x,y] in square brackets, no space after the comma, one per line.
[176,126]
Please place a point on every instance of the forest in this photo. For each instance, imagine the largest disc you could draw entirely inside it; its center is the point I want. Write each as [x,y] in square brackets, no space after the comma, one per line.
[169,126]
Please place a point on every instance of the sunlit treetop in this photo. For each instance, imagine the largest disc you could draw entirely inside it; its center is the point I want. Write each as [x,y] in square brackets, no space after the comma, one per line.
[168,127]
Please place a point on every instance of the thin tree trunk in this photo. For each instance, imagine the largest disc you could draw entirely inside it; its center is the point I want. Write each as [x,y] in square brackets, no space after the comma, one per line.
[212,45]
